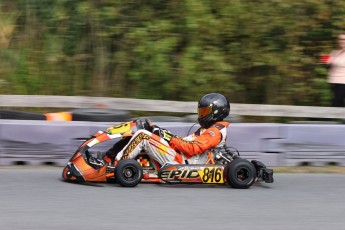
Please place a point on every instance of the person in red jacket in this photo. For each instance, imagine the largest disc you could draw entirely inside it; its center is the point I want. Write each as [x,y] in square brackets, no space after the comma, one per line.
[164,147]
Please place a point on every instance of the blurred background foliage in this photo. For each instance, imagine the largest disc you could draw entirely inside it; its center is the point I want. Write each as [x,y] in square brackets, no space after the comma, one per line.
[254,51]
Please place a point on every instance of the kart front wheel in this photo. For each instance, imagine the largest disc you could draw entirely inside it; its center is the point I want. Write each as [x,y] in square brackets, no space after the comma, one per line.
[240,173]
[128,173]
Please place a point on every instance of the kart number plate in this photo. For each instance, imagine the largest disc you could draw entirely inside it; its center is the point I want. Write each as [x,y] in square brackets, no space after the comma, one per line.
[211,175]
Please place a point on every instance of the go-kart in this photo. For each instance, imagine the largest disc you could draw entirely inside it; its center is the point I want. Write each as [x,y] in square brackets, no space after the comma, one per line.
[224,165]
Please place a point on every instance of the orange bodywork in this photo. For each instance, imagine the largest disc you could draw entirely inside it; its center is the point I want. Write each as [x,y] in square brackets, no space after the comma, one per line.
[86,171]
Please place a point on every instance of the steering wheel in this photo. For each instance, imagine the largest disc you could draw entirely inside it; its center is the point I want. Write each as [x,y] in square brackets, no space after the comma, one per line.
[144,123]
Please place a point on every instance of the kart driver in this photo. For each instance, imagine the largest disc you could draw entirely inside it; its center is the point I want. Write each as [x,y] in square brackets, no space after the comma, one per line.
[164,147]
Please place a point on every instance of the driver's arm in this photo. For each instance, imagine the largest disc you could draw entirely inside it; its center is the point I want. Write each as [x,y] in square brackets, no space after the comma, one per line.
[208,139]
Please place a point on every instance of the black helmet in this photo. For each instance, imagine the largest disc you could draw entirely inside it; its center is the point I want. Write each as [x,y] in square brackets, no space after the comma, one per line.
[212,107]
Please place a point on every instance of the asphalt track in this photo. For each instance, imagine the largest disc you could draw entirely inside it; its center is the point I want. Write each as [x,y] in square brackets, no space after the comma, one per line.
[36,198]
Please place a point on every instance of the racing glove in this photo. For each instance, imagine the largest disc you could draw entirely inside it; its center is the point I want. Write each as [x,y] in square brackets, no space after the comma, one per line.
[163,133]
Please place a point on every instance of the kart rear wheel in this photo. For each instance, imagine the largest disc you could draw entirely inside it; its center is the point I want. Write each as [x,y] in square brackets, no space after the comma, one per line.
[240,173]
[128,173]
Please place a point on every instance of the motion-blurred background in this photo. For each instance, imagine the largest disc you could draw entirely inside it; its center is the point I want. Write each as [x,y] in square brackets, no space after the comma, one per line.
[253,52]
[261,52]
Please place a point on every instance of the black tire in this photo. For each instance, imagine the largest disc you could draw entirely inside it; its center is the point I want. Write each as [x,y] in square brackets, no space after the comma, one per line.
[101,115]
[21,115]
[128,173]
[240,173]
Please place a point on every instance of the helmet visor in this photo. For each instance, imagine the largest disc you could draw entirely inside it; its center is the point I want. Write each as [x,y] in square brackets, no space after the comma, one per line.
[204,111]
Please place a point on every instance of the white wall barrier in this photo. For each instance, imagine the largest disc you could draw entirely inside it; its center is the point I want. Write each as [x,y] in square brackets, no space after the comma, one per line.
[53,142]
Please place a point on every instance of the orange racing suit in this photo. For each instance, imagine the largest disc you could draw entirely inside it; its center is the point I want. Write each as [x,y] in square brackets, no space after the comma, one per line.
[190,148]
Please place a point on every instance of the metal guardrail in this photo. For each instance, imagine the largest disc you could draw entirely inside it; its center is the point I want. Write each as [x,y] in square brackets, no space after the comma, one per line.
[165,106]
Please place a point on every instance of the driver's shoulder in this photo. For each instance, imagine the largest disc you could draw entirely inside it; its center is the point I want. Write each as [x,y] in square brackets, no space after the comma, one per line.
[220,125]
